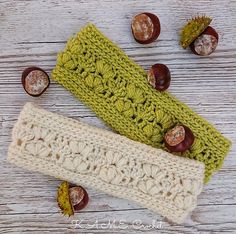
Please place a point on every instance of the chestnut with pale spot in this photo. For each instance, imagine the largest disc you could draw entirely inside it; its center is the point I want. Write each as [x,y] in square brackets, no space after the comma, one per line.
[179,139]
[71,198]
[35,81]
[145,28]
[78,197]
[159,77]
[206,43]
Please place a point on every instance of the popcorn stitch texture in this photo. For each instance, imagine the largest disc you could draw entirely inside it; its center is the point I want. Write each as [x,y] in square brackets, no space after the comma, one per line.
[101,75]
[89,156]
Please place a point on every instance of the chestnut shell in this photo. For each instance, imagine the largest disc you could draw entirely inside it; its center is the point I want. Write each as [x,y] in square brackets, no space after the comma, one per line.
[26,73]
[156,32]
[185,144]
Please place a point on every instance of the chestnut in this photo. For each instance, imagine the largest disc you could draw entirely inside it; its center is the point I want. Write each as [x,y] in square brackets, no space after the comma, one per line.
[206,43]
[179,139]
[78,197]
[159,76]
[35,81]
[71,198]
[199,36]
[145,28]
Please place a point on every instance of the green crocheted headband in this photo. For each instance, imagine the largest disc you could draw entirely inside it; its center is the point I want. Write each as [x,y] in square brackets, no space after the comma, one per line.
[102,76]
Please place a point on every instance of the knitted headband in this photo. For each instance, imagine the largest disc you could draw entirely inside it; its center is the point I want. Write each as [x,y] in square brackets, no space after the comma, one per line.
[102,76]
[89,156]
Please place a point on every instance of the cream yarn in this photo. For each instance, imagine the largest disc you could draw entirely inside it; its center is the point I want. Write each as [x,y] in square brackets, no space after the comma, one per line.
[74,151]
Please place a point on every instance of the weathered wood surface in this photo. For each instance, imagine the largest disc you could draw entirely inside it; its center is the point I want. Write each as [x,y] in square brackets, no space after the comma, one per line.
[32,32]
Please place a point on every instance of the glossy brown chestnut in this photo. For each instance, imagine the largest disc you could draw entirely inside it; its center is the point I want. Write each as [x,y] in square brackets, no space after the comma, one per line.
[159,76]
[145,27]
[206,43]
[179,139]
[35,81]
[78,197]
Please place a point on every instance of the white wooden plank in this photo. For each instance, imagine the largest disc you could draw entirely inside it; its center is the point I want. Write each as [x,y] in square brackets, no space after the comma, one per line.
[203,220]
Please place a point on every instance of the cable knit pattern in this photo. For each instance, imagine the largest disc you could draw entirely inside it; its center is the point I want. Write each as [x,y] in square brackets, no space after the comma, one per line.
[102,76]
[74,151]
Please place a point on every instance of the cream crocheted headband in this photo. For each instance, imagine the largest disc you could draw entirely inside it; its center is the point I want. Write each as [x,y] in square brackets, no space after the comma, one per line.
[85,155]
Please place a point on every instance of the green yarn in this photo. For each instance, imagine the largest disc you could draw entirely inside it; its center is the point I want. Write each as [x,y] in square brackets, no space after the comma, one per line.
[102,76]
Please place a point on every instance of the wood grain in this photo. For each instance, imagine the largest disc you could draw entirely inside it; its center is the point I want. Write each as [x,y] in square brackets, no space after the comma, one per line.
[32,32]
